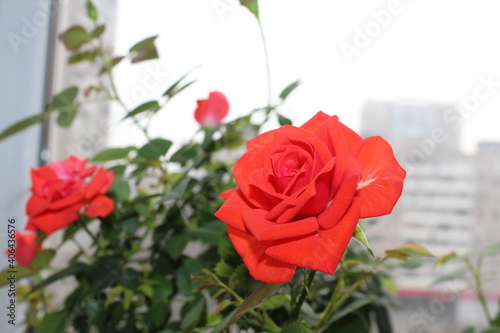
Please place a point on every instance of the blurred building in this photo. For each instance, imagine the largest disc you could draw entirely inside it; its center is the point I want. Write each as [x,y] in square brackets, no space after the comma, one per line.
[450,202]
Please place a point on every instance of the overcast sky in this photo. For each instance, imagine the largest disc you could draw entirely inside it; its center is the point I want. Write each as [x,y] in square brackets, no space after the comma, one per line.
[345,53]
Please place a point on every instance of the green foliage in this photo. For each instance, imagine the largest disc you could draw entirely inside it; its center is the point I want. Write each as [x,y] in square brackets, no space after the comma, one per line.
[359,235]
[291,87]
[162,249]
[144,50]
[252,5]
[75,37]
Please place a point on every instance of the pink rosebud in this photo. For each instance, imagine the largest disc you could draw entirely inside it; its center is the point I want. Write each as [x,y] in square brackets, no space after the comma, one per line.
[211,111]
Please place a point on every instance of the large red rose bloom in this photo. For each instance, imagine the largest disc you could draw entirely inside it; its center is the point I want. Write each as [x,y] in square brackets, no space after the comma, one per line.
[62,190]
[301,191]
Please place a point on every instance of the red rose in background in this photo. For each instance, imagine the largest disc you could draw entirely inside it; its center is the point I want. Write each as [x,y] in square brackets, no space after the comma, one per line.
[211,111]
[61,190]
[26,248]
[301,191]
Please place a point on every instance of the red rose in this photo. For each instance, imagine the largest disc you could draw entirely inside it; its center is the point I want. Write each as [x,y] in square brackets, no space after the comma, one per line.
[26,248]
[62,189]
[211,111]
[301,191]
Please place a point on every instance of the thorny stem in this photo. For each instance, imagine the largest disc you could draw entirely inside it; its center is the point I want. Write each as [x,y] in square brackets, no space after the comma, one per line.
[308,279]
[336,300]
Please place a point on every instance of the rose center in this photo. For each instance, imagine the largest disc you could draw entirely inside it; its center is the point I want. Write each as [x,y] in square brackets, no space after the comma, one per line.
[289,169]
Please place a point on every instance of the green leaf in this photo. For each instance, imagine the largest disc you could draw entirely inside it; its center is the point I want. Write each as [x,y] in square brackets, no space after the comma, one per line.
[127,298]
[178,190]
[396,254]
[222,269]
[253,301]
[223,323]
[68,271]
[445,258]
[74,37]
[23,124]
[226,249]
[284,120]
[146,289]
[351,307]
[415,250]
[112,154]
[82,56]
[360,236]
[291,87]
[118,170]
[155,148]
[173,90]
[104,271]
[148,106]
[144,50]
[63,99]
[130,225]
[252,5]
[193,316]
[92,11]
[296,327]
[275,302]
[389,284]
[183,275]
[67,115]
[42,259]
[176,244]
[20,272]
[121,189]
[54,322]
[98,31]
[109,65]
[185,153]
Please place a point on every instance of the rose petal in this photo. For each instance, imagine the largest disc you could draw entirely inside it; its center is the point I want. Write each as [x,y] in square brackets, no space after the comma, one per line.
[100,206]
[264,229]
[322,251]
[315,122]
[292,206]
[258,152]
[231,211]
[40,177]
[228,193]
[52,221]
[69,200]
[260,266]
[382,180]
[36,205]
[344,196]
[99,184]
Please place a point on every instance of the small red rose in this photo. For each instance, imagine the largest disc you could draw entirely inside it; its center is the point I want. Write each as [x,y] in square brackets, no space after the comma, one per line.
[61,190]
[212,110]
[26,248]
[301,191]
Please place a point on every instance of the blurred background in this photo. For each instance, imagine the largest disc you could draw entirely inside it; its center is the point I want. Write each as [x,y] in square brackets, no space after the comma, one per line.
[423,74]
